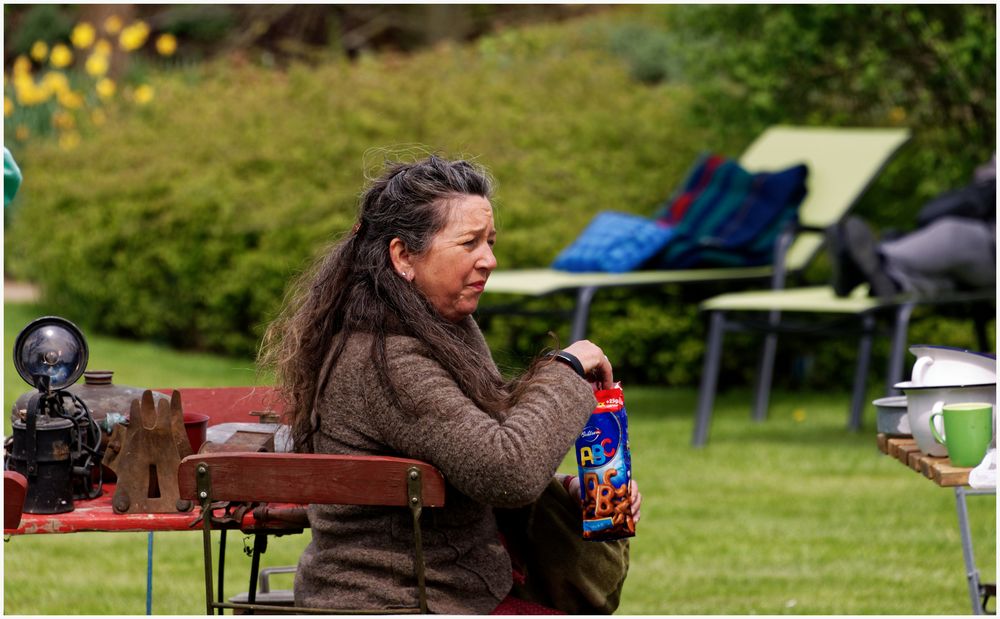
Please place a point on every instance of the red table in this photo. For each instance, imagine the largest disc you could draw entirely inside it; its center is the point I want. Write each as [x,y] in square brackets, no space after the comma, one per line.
[222,405]
[97,515]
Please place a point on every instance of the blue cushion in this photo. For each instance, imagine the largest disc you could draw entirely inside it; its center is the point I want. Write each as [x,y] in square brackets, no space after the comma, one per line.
[614,243]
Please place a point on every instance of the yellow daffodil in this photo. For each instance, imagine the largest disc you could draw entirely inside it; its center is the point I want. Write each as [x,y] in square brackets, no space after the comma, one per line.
[8,107]
[63,120]
[61,56]
[166,44]
[21,133]
[23,84]
[83,35]
[69,140]
[96,65]
[22,66]
[28,93]
[144,94]
[133,36]
[105,88]
[40,51]
[103,47]
[69,99]
[55,81]
[98,117]
[113,25]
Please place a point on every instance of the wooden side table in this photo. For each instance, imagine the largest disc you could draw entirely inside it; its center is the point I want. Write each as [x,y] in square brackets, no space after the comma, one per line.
[943,473]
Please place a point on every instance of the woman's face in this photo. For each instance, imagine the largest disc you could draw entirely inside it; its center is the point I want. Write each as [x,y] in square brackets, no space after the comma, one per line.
[453,271]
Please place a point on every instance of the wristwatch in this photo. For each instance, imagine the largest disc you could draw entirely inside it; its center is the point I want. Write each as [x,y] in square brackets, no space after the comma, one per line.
[568,359]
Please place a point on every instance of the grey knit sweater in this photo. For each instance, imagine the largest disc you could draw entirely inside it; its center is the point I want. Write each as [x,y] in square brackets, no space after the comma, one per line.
[362,557]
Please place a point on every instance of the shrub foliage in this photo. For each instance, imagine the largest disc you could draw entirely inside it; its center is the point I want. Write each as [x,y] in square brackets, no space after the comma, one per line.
[184,221]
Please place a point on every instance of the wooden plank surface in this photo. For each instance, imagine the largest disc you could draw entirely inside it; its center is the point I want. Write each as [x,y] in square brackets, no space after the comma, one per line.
[937,469]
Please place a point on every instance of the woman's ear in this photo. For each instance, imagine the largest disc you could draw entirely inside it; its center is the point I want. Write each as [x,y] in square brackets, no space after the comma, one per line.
[401,258]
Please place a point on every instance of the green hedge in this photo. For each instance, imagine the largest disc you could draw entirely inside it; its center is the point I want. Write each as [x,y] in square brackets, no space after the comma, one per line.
[184,221]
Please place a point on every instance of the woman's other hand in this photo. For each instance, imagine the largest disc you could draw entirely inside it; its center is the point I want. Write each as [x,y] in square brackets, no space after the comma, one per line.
[595,363]
[636,498]
[573,487]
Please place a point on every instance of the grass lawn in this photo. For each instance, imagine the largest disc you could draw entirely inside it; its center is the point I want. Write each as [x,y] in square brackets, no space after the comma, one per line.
[792,516]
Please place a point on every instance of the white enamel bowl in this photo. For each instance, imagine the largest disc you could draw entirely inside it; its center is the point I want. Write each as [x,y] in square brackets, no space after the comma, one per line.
[891,416]
[938,366]
[921,401]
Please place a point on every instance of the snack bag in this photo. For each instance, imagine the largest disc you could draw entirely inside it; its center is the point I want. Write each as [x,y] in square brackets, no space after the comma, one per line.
[605,464]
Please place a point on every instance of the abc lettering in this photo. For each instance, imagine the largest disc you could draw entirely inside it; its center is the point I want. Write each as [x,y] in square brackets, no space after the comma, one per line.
[596,455]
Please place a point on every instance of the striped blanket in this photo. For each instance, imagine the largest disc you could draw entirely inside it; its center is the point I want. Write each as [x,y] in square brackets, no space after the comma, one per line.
[726,216]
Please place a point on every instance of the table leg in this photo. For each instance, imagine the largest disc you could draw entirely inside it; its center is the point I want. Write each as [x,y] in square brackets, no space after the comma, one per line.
[971,573]
[149,574]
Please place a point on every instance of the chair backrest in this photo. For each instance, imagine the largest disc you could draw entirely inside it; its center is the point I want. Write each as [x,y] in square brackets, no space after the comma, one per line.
[306,479]
[310,478]
[15,487]
[842,163]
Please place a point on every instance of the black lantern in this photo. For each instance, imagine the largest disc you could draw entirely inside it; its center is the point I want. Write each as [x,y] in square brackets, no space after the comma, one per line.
[56,442]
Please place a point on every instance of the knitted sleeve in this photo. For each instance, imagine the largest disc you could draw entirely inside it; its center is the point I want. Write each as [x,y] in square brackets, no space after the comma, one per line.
[500,463]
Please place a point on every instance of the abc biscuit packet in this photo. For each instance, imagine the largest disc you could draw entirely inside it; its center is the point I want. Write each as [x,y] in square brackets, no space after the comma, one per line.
[605,465]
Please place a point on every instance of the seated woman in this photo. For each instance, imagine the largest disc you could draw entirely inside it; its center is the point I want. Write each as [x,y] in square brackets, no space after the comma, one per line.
[377,353]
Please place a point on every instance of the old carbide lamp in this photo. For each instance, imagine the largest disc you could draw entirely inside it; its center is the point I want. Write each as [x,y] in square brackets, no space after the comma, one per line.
[55,443]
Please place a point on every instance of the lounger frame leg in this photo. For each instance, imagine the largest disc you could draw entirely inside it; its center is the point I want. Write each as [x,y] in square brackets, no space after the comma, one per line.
[981,315]
[581,313]
[861,372]
[765,374]
[709,377]
[898,347]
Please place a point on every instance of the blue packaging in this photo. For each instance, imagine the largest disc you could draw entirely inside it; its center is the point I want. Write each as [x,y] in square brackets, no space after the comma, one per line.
[604,461]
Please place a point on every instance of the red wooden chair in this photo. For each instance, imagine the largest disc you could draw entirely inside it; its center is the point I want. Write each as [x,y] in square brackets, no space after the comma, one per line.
[304,479]
[15,487]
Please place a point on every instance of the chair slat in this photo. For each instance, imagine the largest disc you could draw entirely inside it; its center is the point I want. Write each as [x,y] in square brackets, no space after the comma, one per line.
[311,478]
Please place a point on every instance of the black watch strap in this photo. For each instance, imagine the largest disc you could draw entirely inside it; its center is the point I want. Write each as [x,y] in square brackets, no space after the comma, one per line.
[568,359]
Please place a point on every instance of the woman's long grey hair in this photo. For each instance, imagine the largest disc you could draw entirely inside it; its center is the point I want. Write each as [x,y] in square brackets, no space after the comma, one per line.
[354,288]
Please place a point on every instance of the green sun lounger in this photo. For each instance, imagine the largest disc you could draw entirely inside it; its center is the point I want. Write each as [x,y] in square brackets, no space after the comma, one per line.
[842,163]
[817,310]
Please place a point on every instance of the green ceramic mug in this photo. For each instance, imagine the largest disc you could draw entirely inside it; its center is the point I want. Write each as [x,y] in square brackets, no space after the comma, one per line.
[968,429]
